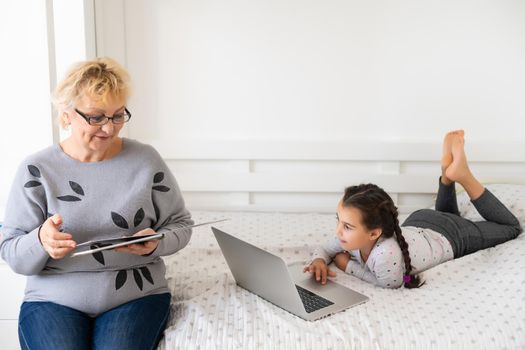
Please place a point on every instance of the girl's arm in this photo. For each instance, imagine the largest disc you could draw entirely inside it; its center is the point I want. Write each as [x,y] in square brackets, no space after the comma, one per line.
[355,268]
[327,251]
[378,271]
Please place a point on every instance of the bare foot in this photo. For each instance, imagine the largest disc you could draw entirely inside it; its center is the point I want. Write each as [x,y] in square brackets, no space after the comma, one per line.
[446,158]
[458,169]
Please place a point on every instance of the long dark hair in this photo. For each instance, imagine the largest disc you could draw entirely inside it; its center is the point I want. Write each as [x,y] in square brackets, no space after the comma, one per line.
[379,211]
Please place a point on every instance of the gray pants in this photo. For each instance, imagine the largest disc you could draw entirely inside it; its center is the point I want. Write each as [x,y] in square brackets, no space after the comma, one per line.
[467,236]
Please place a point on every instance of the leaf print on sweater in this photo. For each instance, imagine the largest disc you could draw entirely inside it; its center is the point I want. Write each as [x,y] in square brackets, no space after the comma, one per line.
[32,183]
[161,188]
[121,278]
[122,275]
[138,278]
[139,216]
[77,189]
[158,177]
[34,171]
[146,274]
[119,220]
[69,198]
[98,255]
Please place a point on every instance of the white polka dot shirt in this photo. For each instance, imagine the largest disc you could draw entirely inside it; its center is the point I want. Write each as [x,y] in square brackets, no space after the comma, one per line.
[385,266]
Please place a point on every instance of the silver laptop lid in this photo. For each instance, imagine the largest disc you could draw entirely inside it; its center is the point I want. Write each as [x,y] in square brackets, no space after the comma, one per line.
[260,272]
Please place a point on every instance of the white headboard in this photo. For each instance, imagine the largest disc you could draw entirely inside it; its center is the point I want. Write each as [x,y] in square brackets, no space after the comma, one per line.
[311,176]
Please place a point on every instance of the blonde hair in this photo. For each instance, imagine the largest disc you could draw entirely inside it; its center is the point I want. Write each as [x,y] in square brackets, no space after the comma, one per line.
[100,79]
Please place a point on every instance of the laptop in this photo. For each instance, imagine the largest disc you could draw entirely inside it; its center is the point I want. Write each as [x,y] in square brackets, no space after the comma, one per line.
[288,287]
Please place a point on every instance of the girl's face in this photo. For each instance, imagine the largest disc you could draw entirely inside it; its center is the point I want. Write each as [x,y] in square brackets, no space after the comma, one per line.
[350,230]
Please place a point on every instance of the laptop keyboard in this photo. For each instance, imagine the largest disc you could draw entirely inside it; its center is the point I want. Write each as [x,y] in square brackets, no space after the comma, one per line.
[311,301]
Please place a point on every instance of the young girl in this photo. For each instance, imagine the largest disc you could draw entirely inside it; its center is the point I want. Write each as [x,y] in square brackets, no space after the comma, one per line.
[372,246]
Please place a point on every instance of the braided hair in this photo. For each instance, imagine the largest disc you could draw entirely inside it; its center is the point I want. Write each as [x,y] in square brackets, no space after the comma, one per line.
[378,211]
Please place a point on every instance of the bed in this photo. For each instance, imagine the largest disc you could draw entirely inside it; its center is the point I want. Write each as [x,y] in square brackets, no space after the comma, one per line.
[477,301]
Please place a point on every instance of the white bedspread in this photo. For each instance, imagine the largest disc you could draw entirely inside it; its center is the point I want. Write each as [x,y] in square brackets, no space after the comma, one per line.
[475,302]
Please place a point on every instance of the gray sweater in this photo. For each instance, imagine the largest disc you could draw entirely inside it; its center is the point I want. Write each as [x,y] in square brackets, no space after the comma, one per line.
[120,196]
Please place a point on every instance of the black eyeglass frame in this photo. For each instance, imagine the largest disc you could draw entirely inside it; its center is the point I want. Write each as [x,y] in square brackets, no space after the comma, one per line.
[127,117]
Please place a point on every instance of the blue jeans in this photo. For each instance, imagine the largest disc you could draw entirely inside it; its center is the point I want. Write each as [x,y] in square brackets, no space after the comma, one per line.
[138,324]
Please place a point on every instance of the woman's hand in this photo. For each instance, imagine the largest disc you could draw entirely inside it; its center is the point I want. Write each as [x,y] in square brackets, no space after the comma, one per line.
[341,260]
[321,271]
[57,244]
[143,248]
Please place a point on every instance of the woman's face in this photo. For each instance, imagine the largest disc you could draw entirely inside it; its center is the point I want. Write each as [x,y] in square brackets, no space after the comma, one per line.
[350,230]
[92,137]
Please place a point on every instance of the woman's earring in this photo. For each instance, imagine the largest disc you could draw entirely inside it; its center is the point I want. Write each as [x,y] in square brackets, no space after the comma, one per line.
[66,120]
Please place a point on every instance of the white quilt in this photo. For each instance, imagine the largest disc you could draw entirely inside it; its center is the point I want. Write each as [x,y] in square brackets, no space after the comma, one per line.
[474,302]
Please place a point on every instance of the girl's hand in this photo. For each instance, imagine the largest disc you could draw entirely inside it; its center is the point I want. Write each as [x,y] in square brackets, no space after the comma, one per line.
[341,260]
[143,248]
[321,271]
[57,244]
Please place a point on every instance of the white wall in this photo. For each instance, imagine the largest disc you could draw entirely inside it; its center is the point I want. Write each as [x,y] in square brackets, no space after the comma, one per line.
[315,70]
[320,92]
[25,120]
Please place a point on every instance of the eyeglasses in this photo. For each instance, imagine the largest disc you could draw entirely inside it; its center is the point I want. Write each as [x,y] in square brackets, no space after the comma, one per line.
[99,120]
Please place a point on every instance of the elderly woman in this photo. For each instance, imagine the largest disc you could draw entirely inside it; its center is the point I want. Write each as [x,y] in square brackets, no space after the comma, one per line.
[93,185]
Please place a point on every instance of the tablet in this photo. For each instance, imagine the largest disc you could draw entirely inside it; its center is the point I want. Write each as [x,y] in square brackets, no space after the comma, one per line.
[112,243]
